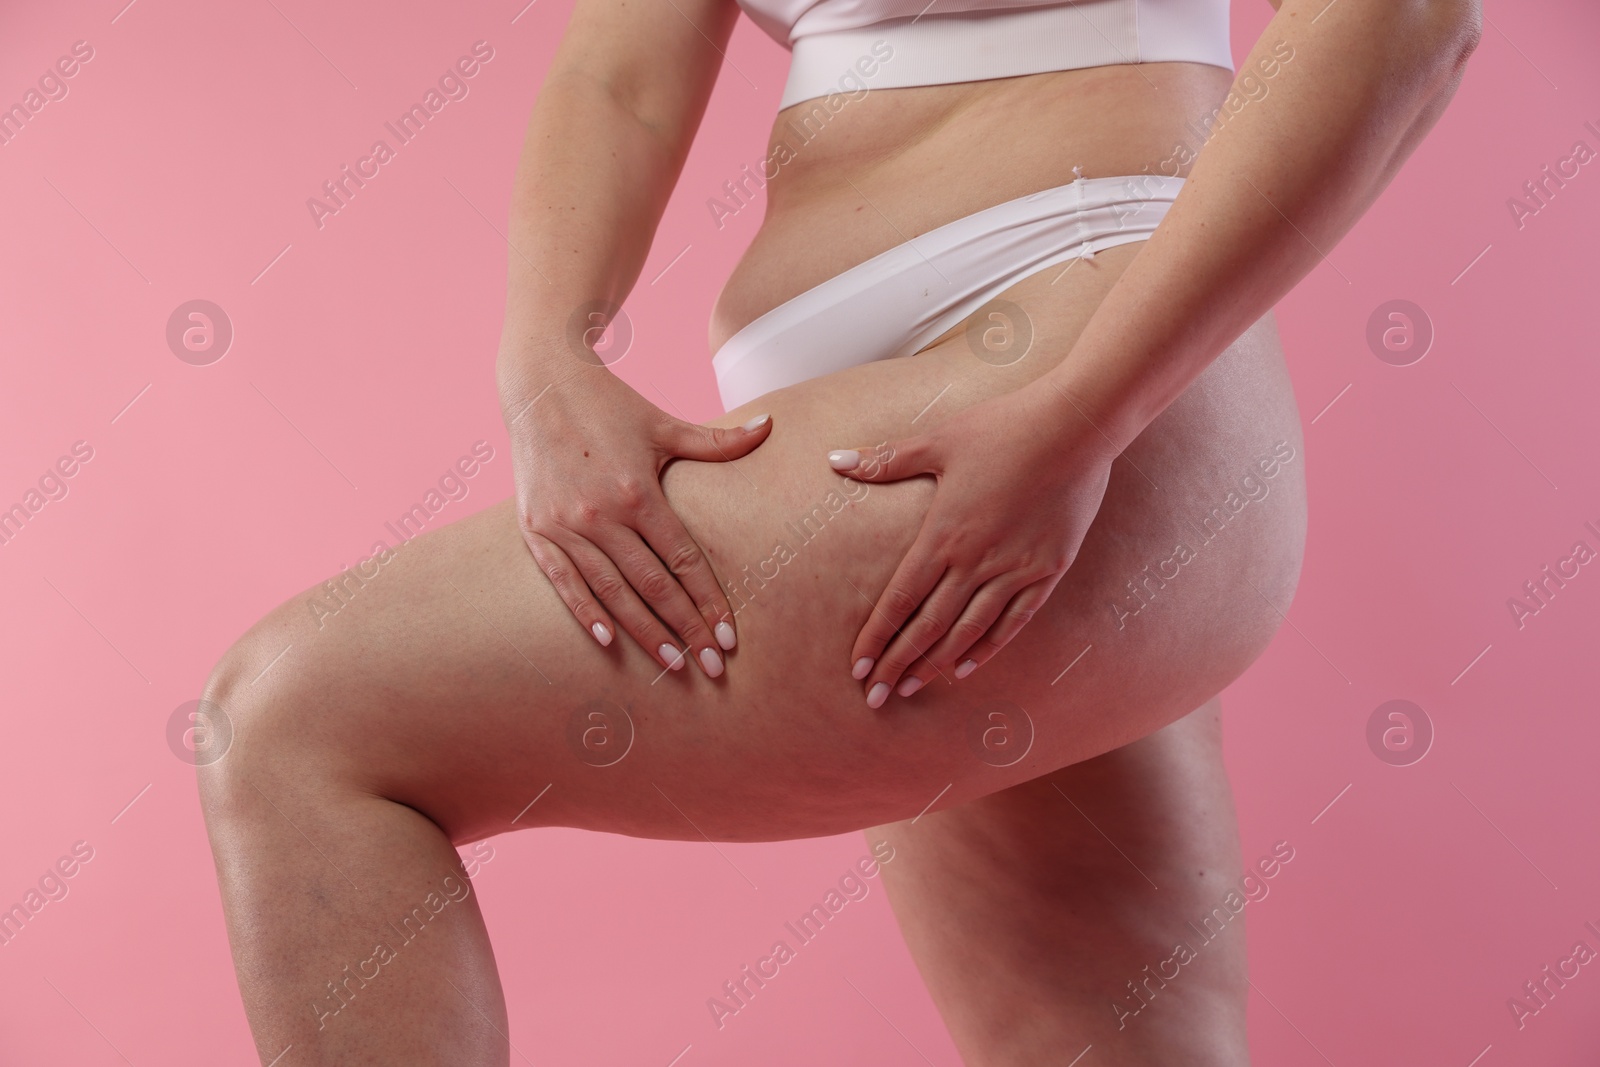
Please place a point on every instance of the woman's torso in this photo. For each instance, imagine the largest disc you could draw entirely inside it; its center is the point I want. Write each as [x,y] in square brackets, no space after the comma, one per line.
[890,164]
[897,163]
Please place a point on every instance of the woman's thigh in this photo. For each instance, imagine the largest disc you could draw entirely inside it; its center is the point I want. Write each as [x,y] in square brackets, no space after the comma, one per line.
[1028,911]
[455,681]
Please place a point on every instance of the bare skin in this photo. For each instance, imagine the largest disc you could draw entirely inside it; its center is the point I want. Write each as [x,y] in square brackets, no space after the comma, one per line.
[442,698]
[1031,910]
[455,687]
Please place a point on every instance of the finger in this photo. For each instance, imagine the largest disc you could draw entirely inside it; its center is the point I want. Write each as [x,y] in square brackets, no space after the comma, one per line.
[891,461]
[913,580]
[713,444]
[613,590]
[655,583]
[667,537]
[939,610]
[570,586]
[985,607]
[1017,614]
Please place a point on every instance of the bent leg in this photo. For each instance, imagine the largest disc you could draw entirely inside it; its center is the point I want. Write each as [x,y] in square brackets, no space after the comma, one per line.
[347,912]
[404,670]
[1042,917]
[446,694]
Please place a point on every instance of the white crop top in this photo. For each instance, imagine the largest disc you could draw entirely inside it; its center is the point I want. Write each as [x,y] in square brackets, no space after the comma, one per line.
[845,46]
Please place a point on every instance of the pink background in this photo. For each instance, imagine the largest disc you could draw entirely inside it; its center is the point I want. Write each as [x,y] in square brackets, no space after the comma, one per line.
[178,168]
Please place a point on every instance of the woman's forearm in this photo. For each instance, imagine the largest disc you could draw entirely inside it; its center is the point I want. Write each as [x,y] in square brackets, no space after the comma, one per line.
[589,191]
[1285,176]
[606,142]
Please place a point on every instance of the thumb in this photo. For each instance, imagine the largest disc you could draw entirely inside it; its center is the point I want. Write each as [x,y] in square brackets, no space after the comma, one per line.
[714,444]
[890,461]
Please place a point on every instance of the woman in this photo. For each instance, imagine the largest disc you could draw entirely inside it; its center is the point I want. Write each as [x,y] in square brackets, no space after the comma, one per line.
[1075,221]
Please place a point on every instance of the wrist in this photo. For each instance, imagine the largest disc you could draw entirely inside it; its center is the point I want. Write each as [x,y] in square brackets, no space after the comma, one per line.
[594,332]
[540,380]
[529,364]
[1086,411]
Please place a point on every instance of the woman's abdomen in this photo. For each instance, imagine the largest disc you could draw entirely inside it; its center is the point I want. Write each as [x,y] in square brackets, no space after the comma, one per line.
[895,163]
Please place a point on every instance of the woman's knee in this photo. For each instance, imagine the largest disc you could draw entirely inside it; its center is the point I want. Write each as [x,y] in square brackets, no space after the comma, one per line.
[264,721]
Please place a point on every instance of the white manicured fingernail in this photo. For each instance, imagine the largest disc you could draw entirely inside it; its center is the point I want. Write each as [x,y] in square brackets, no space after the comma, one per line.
[671,657]
[909,686]
[966,667]
[725,636]
[756,423]
[862,668]
[600,632]
[711,662]
[847,459]
[877,695]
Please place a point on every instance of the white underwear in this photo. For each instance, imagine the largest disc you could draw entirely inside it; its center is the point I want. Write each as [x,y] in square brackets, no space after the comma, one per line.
[898,301]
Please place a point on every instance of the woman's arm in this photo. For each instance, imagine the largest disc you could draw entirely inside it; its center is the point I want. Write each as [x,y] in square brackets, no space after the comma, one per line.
[605,144]
[1281,179]
[1271,193]
[608,137]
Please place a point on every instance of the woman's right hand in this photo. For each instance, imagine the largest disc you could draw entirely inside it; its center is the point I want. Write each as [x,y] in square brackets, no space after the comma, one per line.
[587,457]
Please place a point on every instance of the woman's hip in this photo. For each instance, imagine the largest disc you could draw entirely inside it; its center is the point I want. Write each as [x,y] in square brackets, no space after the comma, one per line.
[1181,582]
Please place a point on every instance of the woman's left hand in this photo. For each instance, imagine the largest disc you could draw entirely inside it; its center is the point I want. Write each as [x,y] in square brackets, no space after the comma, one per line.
[1020,478]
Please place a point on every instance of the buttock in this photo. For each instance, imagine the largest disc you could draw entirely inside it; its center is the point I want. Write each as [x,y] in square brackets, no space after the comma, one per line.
[1183,579]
